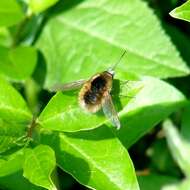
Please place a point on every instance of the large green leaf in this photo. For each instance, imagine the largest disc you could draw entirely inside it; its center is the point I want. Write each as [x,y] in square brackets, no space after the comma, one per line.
[91,36]
[151,105]
[38,166]
[148,107]
[63,112]
[11,163]
[13,108]
[18,63]
[96,158]
[182,12]
[10,13]
[179,147]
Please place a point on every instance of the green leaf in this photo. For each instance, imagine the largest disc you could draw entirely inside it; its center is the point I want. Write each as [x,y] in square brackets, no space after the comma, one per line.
[179,147]
[155,181]
[10,13]
[5,37]
[11,163]
[185,125]
[184,185]
[11,135]
[164,162]
[38,6]
[95,158]
[38,166]
[14,117]
[17,182]
[18,63]
[63,112]
[182,12]
[96,34]
[152,104]
[13,108]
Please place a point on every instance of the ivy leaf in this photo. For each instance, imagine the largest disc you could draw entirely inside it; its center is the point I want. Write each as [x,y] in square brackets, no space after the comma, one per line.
[182,12]
[95,158]
[10,13]
[38,166]
[179,147]
[38,6]
[96,34]
[18,63]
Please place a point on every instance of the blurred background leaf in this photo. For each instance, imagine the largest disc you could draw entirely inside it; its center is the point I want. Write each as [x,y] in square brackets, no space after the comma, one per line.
[37,6]
[182,12]
[10,13]
[179,147]
[18,63]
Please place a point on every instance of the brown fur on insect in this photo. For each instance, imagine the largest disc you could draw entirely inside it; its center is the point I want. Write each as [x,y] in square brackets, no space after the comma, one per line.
[91,95]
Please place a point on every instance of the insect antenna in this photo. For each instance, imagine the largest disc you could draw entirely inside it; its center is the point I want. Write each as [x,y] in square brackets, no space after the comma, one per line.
[119,60]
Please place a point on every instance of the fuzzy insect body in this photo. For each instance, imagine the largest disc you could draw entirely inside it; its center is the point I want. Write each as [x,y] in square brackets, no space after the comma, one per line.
[92,94]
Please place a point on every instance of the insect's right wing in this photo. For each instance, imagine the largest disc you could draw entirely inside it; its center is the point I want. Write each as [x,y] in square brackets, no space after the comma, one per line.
[110,112]
[68,86]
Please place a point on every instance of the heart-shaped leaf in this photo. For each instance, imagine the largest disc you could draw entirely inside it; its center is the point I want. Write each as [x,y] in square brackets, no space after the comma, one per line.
[38,166]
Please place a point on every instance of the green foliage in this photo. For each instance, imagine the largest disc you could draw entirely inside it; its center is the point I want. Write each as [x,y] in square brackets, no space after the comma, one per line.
[105,30]
[63,109]
[38,166]
[10,13]
[18,63]
[37,6]
[86,156]
[180,148]
[46,42]
[11,163]
[182,12]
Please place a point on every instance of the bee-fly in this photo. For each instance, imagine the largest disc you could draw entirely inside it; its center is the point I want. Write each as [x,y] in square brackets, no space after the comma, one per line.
[95,93]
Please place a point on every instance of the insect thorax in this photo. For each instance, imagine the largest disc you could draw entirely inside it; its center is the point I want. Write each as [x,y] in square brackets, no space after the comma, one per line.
[92,93]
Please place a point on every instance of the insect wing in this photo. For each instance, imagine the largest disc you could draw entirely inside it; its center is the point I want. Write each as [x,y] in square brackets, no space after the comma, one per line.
[110,112]
[67,86]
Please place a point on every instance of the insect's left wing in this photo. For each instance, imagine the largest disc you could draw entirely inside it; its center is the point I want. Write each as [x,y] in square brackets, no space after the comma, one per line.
[110,112]
[67,86]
